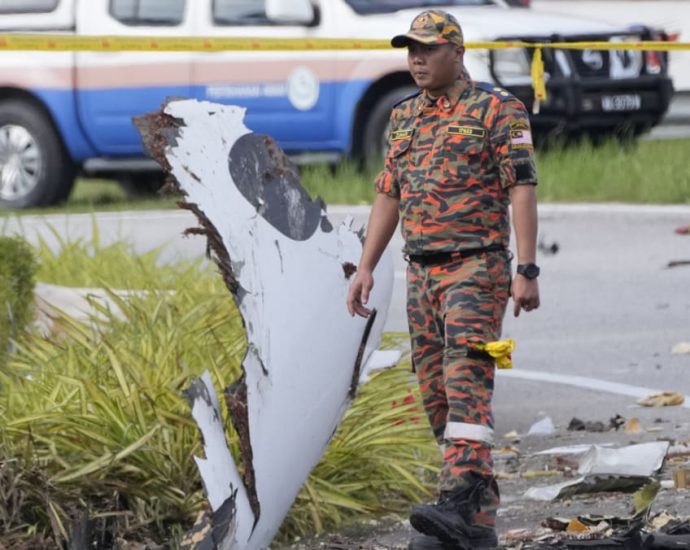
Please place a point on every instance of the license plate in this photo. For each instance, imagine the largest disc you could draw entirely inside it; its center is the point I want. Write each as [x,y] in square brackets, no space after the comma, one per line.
[622,102]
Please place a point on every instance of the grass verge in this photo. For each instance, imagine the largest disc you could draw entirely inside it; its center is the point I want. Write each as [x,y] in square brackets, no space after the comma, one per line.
[645,172]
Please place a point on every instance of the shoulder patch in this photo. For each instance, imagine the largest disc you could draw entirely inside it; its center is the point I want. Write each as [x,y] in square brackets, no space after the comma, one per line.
[494,90]
[404,99]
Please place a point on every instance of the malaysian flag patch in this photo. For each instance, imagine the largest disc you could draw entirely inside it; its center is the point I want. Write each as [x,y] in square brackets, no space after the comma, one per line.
[521,139]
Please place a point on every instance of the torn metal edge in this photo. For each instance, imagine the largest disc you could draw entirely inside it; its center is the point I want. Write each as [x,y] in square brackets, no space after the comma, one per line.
[360,354]
[236,401]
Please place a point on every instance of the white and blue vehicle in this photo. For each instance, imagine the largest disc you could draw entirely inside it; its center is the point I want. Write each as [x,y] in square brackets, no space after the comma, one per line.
[66,113]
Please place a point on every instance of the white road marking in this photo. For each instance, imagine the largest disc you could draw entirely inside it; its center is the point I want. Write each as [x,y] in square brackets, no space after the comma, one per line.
[585,383]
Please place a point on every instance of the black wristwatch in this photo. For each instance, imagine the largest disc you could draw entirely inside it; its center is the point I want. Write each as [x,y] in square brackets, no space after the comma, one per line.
[529,271]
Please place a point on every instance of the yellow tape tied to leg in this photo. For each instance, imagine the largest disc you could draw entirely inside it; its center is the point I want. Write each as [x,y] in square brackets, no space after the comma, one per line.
[500,351]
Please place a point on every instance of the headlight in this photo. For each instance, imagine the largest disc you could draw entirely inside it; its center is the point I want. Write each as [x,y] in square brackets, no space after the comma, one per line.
[511,66]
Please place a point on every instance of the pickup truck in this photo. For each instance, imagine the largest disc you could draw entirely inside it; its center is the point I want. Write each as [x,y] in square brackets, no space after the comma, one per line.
[68,113]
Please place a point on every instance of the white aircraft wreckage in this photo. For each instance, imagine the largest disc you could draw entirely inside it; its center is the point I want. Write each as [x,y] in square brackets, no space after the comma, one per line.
[288,269]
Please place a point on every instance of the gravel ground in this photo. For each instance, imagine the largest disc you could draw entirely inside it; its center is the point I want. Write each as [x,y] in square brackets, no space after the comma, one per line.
[519,468]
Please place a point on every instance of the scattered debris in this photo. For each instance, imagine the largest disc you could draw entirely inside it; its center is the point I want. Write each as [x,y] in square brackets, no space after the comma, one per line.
[677,263]
[681,348]
[681,477]
[607,469]
[632,426]
[545,426]
[285,265]
[512,436]
[577,425]
[548,249]
[663,399]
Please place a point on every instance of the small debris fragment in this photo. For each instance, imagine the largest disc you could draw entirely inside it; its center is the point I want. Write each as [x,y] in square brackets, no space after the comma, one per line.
[545,426]
[632,426]
[683,230]
[681,348]
[663,399]
[548,249]
[681,477]
[577,425]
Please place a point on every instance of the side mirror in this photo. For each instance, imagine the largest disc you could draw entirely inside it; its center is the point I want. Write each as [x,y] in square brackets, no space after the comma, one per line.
[299,12]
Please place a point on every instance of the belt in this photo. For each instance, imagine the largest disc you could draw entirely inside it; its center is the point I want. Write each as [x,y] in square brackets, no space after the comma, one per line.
[440,258]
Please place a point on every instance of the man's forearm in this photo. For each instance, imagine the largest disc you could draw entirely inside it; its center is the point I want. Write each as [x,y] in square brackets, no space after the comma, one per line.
[524,201]
[382,223]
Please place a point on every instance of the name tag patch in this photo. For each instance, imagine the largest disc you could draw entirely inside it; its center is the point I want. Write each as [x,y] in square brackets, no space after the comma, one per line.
[467,131]
[401,134]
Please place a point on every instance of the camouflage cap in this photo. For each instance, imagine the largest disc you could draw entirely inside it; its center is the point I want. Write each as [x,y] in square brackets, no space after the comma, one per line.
[431,27]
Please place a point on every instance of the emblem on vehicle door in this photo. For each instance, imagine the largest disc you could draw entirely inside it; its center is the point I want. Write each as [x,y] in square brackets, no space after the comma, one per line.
[594,59]
[303,88]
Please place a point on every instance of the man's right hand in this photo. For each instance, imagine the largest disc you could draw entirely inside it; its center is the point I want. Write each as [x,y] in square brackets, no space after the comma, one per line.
[358,295]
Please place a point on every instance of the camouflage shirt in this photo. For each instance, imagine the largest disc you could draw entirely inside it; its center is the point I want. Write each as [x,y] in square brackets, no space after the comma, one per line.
[451,161]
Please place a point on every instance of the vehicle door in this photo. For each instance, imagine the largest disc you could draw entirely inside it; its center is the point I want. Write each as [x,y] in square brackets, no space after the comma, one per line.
[113,87]
[288,94]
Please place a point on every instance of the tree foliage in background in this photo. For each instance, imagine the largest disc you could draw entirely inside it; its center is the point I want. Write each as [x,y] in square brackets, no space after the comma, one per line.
[17,270]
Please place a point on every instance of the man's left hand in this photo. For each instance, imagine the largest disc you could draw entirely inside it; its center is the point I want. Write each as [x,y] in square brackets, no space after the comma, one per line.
[525,294]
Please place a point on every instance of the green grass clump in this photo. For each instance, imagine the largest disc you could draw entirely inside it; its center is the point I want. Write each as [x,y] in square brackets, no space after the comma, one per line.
[17,269]
[646,172]
[94,418]
[642,172]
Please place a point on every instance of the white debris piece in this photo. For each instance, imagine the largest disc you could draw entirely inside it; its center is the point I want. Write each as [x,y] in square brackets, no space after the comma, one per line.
[604,468]
[545,426]
[289,270]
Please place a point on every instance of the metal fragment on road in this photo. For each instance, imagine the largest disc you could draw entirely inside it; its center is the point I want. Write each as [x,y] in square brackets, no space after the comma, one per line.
[288,269]
[607,469]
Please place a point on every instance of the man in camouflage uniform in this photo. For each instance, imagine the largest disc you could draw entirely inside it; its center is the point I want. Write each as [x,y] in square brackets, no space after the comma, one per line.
[459,153]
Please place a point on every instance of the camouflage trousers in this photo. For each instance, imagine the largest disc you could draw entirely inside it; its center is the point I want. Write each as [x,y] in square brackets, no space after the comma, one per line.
[449,307]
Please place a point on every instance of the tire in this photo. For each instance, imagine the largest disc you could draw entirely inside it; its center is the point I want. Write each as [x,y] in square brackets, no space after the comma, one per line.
[374,141]
[35,169]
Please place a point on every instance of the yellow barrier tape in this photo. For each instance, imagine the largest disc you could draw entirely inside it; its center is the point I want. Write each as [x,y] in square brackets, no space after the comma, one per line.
[61,42]
[500,351]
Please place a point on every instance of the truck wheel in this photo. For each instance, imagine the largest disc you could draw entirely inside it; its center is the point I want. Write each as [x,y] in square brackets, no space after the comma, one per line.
[34,168]
[374,143]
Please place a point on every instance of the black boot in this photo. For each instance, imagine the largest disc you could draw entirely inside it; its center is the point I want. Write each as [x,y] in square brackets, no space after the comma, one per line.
[450,519]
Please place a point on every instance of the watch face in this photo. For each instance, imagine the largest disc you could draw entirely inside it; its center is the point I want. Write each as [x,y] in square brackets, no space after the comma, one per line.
[531,271]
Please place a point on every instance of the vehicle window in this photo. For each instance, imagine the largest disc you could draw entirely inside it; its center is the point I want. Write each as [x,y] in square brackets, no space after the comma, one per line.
[240,12]
[27,6]
[386,6]
[148,12]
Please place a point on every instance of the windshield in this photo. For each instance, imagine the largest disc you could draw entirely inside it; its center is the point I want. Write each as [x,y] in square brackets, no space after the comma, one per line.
[387,6]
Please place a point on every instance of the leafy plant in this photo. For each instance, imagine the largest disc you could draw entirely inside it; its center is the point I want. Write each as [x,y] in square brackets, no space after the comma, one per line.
[17,269]
[95,420]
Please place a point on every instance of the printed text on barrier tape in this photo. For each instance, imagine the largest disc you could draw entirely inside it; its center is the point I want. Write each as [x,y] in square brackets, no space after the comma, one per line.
[50,42]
